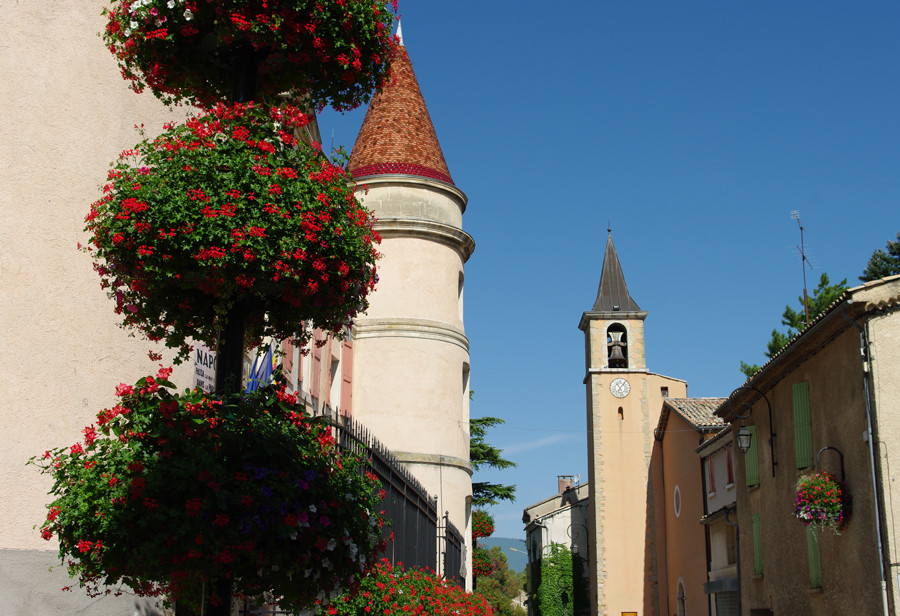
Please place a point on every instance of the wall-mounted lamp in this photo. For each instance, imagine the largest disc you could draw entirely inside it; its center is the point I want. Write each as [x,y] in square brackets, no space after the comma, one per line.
[744,437]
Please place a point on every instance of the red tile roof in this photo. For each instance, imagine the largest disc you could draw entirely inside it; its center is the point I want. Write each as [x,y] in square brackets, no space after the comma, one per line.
[397,136]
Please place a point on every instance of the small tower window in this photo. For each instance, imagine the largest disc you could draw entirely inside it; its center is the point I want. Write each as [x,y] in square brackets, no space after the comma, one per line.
[617,346]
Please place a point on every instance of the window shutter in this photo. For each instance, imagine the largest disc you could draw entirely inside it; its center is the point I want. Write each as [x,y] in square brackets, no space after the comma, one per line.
[757,546]
[751,460]
[812,551]
[802,430]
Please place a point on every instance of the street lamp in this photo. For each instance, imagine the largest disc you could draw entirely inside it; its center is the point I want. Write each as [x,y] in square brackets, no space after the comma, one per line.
[744,436]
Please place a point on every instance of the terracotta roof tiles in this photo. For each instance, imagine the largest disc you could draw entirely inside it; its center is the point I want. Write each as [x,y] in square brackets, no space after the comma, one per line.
[397,136]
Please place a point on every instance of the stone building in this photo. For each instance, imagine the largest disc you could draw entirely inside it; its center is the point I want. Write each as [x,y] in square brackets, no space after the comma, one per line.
[828,401]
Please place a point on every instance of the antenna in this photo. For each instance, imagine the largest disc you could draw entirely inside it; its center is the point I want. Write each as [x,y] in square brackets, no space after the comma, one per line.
[795,215]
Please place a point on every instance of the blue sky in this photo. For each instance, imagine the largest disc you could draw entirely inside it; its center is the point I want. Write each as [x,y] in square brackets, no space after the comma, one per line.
[694,129]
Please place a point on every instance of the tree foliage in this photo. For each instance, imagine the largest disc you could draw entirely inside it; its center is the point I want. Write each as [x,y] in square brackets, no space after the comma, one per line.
[562,589]
[500,586]
[883,263]
[795,320]
[482,455]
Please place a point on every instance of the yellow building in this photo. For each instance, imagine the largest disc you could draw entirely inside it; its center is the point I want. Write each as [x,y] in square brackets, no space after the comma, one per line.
[624,402]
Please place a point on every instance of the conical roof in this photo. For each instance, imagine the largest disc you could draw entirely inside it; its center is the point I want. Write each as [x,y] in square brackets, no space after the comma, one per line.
[613,292]
[397,136]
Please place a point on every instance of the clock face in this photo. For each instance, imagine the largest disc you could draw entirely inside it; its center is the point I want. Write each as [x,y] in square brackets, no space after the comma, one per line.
[619,388]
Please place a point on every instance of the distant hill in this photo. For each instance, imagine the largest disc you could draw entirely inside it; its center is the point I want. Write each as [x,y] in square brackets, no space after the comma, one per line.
[514,549]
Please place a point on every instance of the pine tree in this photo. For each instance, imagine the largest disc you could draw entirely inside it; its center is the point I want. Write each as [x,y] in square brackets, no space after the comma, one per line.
[883,263]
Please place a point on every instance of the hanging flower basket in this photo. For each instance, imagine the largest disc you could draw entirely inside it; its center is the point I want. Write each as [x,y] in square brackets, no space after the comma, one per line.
[170,492]
[482,524]
[822,501]
[228,208]
[336,51]
[391,590]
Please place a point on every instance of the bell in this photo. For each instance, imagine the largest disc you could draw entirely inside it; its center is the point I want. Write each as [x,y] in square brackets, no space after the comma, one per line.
[616,353]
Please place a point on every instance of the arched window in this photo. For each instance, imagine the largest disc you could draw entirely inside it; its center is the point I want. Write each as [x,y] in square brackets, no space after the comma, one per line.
[617,346]
[681,608]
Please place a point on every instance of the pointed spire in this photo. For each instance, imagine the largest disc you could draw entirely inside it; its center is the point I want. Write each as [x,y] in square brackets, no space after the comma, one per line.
[400,33]
[397,136]
[613,292]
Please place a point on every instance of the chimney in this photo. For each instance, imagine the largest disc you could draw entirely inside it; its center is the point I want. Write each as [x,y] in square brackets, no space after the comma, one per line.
[566,482]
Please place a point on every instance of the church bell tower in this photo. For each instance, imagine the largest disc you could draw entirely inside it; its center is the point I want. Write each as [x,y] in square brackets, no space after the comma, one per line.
[624,401]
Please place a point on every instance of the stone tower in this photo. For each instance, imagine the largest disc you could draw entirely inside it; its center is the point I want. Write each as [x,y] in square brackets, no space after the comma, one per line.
[411,354]
[624,401]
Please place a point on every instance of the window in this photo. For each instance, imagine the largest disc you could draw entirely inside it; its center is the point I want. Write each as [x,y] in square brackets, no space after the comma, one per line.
[676,501]
[751,460]
[812,553]
[757,546]
[729,466]
[617,346]
[710,476]
[802,429]
[664,391]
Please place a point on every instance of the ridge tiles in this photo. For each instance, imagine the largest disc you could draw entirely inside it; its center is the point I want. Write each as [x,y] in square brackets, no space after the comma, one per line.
[613,292]
[397,136]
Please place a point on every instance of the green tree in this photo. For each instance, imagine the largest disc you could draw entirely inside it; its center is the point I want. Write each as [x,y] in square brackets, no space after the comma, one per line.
[795,320]
[483,455]
[562,589]
[883,263]
[501,585]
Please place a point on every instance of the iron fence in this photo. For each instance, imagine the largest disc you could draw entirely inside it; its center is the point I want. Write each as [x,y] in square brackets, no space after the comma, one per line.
[410,513]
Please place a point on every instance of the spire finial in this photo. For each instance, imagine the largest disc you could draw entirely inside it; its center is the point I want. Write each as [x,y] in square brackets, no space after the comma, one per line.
[608,226]
[400,33]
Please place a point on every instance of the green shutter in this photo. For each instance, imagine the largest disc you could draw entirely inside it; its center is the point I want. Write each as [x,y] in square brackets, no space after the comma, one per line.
[812,551]
[757,546]
[803,449]
[751,460]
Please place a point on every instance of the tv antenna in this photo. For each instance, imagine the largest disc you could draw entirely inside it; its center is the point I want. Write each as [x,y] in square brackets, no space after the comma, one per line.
[795,215]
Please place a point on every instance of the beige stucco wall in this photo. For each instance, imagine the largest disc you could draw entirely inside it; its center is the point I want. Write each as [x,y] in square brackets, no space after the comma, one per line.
[66,115]
[883,331]
[411,354]
[619,453]
[685,557]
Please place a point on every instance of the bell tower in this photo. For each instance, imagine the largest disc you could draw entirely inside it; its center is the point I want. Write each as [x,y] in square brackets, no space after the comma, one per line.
[624,400]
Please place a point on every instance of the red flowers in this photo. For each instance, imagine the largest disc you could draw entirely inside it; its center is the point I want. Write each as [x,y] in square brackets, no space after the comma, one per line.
[175,248]
[309,45]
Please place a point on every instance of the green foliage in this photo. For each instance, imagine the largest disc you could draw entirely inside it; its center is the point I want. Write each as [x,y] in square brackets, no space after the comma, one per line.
[482,455]
[562,588]
[499,585]
[390,591]
[795,320]
[169,491]
[229,208]
[883,263]
[336,53]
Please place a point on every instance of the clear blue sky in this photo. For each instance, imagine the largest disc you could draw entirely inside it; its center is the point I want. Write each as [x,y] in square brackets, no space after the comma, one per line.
[694,128]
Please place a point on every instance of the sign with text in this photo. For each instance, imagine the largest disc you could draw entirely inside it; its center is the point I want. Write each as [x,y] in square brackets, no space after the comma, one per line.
[204,367]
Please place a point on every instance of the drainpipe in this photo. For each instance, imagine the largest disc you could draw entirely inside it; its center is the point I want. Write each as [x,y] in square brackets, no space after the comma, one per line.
[864,351]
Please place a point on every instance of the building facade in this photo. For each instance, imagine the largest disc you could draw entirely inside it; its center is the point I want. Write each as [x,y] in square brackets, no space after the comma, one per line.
[679,483]
[829,401]
[411,354]
[561,519]
[720,524]
[624,402]
[68,114]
